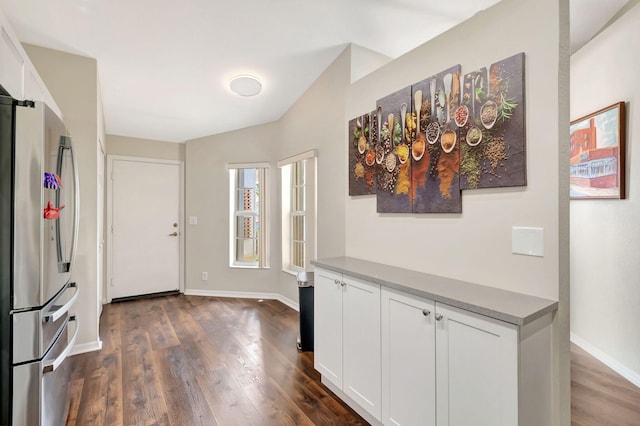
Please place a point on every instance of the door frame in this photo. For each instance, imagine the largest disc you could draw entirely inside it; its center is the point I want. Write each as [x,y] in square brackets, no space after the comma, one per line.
[111,159]
[101,267]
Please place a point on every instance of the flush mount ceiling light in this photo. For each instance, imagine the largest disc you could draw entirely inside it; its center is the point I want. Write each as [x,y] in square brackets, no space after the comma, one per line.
[245,85]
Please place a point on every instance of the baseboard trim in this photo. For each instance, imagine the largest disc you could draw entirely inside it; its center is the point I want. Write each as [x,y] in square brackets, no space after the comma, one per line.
[86,347]
[613,364]
[244,295]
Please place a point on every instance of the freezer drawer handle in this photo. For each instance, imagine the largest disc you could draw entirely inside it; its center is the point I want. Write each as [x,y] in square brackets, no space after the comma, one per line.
[53,365]
[58,313]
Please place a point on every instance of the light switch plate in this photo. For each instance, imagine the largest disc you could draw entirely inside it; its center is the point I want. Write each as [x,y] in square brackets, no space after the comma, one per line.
[193,220]
[528,241]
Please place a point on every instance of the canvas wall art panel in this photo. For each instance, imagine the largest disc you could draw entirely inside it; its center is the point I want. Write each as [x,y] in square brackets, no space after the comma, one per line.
[362,170]
[435,179]
[493,139]
[393,153]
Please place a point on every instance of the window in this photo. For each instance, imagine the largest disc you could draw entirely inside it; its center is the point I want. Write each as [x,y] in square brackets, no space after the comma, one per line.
[298,211]
[248,219]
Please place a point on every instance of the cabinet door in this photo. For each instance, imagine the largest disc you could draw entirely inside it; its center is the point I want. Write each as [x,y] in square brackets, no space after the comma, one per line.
[408,360]
[476,369]
[328,325]
[32,88]
[361,344]
[11,65]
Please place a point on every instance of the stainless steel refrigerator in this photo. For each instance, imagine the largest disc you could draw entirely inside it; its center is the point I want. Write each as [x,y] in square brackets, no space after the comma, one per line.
[38,234]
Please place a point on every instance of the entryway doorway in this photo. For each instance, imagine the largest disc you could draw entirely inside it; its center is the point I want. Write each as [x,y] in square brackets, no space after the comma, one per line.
[145,242]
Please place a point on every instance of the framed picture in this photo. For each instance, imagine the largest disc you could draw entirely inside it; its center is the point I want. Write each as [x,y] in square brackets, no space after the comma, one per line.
[597,166]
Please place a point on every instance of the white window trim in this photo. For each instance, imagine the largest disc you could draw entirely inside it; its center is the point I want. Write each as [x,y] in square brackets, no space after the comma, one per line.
[312,153]
[263,214]
[310,210]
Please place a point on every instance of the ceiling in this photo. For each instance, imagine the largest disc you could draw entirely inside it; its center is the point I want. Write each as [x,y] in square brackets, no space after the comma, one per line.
[164,65]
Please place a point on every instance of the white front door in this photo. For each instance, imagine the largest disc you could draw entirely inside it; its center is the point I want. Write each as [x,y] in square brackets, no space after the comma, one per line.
[146,228]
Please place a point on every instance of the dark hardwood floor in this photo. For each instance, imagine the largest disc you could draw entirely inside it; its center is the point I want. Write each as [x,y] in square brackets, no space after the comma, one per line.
[599,395]
[186,360]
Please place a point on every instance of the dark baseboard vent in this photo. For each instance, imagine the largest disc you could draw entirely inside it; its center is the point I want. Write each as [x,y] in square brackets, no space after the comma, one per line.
[145,296]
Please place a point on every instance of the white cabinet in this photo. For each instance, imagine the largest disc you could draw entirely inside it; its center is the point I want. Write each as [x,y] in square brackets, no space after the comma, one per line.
[11,65]
[33,90]
[328,325]
[476,369]
[361,344]
[442,365]
[408,360]
[347,337]
[18,75]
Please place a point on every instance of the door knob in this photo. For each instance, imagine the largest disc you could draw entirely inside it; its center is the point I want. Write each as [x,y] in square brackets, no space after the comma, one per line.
[173,234]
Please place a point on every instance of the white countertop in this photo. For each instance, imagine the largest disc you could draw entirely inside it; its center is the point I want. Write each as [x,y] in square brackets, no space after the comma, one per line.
[508,306]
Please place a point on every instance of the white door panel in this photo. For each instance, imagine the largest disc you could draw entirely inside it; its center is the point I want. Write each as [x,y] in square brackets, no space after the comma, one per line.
[476,370]
[145,214]
[408,360]
[328,326]
[361,344]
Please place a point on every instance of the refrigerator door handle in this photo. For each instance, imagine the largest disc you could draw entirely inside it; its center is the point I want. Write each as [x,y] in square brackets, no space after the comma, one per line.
[65,264]
[53,316]
[53,365]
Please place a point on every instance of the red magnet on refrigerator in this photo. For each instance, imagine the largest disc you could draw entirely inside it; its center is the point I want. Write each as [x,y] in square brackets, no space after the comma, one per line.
[51,212]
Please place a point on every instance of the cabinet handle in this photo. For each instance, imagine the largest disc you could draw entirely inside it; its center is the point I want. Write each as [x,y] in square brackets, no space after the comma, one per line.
[426,312]
[336,282]
[439,317]
[343,284]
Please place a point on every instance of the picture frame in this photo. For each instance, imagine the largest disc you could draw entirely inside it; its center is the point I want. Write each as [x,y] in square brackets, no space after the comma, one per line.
[597,154]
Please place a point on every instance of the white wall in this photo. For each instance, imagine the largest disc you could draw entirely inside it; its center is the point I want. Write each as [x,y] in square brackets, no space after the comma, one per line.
[72,81]
[473,246]
[476,245]
[207,197]
[605,234]
[365,61]
[316,121]
[136,147]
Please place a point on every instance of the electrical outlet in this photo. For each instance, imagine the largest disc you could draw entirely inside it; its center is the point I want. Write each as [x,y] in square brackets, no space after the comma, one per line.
[205,276]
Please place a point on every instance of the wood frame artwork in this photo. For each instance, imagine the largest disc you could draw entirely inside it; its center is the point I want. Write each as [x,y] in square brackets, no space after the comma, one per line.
[597,159]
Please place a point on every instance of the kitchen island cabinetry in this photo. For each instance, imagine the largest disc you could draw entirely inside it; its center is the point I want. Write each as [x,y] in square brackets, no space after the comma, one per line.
[433,351]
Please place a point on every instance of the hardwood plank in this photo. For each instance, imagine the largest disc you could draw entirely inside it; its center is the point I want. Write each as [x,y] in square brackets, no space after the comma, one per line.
[143,400]
[599,396]
[185,401]
[186,360]
[75,393]
[227,399]
[93,405]
[159,326]
[275,405]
